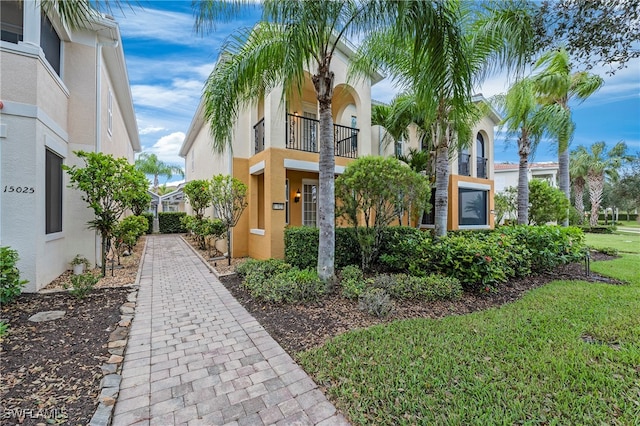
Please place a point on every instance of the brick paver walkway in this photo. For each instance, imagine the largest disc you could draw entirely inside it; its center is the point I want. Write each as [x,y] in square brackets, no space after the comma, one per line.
[196,356]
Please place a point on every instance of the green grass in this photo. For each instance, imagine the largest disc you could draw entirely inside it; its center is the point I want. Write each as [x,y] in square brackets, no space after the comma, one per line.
[628,223]
[628,243]
[567,353]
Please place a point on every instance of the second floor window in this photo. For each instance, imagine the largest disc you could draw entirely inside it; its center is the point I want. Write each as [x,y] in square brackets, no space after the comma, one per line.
[12,21]
[50,43]
[481,165]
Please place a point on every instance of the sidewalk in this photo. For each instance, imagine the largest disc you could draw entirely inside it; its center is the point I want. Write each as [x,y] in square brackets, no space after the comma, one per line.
[195,356]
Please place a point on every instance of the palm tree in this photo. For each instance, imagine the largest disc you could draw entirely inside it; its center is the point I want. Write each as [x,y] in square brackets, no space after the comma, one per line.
[577,175]
[78,13]
[294,36]
[473,47]
[524,116]
[557,85]
[150,164]
[599,163]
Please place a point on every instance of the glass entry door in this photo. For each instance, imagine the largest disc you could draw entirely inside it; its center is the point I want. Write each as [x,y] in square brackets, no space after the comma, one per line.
[310,204]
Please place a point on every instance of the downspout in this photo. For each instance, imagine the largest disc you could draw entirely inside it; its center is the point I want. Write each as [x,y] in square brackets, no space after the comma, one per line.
[98,147]
[230,233]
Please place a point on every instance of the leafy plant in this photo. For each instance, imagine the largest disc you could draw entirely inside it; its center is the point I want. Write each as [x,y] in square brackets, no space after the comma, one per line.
[82,284]
[428,288]
[4,329]
[10,282]
[301,247]
[292,286]
[352,281]
[229,199]
[257,272]
[149,217]
[546,204]
[197,193]
[80,260]
[170,222]
[610,251]
[376,302]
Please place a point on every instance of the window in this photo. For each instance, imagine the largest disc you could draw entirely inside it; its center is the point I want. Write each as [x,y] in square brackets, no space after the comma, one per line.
[429,218]
[260,185]
[286,201]
[53,192]
[399,147]
[12,20]
[310,204]
[473,207]
[110,113]
[50,43]
[464,165]
[481,166]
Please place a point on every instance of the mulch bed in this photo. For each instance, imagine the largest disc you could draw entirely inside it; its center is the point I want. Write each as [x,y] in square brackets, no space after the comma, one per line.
[301,327]
[50,371]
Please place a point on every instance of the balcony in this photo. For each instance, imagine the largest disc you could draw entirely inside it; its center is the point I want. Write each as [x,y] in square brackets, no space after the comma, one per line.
[303,134]
[464,166]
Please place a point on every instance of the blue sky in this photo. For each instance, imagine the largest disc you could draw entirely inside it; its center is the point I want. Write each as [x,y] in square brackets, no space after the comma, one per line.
[168,64]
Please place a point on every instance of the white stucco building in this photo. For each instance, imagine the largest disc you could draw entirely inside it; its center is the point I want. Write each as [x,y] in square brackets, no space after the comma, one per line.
[506,174]
[61,90]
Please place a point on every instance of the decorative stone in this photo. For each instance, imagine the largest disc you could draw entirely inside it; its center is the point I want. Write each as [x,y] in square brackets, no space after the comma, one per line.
[111,381]
[124,323]
[129,304]
[112,392]
[117,344]
[116,351]
[115,359]
[107,400]
[120,333]
[108,368]
[126,310]
[133,296]
[47,316]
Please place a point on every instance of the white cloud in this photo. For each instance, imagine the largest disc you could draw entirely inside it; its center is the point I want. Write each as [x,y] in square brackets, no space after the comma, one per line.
[151,129]
[180,93]
[167,148]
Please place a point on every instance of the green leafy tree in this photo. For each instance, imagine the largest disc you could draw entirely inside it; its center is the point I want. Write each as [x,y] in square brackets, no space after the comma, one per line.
[198,195]
[577,175]
[594,32]
[547,204]
[598,163]
[110,186]
[127,233]
[475,42]
[140,203]
[10,282]
[628,187]
[374,191]
[229,199]
[557,85]
[506,203]
[149,164]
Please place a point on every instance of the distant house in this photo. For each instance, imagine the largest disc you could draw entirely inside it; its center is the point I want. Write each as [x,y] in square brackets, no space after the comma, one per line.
[506,174]
[275,149]
[63,90]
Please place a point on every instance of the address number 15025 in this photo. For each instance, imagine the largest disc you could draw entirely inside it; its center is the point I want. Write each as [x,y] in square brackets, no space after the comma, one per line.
[19,189]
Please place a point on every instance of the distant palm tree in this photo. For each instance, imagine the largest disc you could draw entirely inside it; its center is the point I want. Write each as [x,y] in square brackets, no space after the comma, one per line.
[599,163]
[577,175]
[150,164]
[557,85]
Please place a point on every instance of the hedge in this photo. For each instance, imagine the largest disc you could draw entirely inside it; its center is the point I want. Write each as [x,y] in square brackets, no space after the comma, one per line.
[149,217]
[170,223]
[301,247]
[621,216]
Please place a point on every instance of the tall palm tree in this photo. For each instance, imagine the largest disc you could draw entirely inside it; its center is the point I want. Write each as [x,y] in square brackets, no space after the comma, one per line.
[442,69]
[557,85]
[150,164]
[524,116]
[599,163]
[78,13]
[293,37]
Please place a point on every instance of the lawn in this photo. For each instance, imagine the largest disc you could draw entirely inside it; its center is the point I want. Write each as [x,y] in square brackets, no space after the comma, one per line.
[566,353]
[626,243]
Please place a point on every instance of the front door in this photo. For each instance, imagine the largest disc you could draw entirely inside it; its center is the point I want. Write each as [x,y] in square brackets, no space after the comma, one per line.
[310,203]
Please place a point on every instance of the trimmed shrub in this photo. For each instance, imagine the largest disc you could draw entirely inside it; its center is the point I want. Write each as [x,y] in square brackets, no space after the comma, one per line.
[257,272]
[293,286]
[405,248]
[352,281]
[376,302]
[10,282]
[301,247]
[428,288]
[82,284]
[170,222]
[598,229]
[149,217]
[128,231]
[609,251]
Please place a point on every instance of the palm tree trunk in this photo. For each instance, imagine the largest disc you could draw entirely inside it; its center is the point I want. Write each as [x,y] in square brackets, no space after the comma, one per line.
[442,186]
[563,177]
[596,185]
[323,82]
[524,149]
[578,196]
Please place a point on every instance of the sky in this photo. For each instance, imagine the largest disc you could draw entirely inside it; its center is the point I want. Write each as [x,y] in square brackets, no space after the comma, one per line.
[168,64]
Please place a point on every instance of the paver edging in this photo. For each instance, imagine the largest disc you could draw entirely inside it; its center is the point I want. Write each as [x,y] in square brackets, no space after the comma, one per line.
[206,263]
[112,368]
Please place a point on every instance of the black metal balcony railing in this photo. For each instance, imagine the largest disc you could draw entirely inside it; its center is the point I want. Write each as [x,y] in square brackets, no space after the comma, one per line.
[481,167]
[464,166]
[303,134]
[258,131]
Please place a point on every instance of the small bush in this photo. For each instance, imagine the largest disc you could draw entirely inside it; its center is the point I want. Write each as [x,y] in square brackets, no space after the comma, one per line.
[293,286]
[610,251]
[82,284]
[428,288]
[376,302]
[169,222]
[257,272]
[10,282]
[4,329]
[405,249]
[129,230]
[598,229]
[352,281]
[149,217]
[301,247]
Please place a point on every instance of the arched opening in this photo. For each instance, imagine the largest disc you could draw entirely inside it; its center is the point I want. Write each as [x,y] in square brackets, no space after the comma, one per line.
[481,160]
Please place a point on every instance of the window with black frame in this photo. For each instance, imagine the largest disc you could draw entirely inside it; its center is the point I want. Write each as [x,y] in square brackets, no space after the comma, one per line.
[53,192]
[473,208]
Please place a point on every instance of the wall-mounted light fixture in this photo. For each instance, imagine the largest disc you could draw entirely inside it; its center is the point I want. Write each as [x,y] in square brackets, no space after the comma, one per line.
[296,198]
